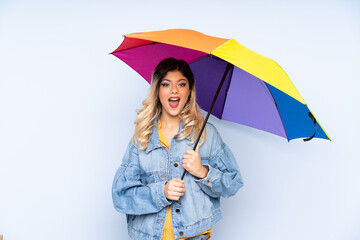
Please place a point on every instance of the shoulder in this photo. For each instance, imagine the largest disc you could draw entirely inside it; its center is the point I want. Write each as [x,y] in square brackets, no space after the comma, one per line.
[130,153]
[210,128]
[213,142]
[212,133]
[132,145]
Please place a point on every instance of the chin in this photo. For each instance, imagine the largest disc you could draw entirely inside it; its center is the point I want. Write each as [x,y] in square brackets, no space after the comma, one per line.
[174,113]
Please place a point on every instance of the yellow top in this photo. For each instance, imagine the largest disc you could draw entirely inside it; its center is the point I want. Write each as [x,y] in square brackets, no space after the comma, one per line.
[168,233]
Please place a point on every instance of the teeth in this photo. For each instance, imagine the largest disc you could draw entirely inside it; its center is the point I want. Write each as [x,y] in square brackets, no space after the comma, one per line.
[174,99]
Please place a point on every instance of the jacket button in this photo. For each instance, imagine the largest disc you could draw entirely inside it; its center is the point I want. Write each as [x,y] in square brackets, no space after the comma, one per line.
[175,164]
[177,210]
[181,233]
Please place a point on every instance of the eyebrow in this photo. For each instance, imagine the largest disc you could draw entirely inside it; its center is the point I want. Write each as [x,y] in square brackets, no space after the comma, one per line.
[182,79]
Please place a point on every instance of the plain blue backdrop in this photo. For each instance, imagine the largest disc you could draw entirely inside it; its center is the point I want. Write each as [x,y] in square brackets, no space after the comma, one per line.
[67,109]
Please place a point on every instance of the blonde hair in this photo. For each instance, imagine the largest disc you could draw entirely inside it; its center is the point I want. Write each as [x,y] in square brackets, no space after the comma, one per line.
[151,109]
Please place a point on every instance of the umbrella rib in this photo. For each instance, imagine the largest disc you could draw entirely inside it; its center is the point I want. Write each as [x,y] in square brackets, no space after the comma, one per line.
[226,91]
[277,108]
[134,46]
[196,59]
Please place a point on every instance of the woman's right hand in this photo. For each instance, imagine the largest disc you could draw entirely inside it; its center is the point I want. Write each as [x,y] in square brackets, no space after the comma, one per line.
[174,189]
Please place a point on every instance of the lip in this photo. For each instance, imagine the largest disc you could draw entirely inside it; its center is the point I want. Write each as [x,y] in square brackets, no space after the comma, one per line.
[174,102]
[174,99]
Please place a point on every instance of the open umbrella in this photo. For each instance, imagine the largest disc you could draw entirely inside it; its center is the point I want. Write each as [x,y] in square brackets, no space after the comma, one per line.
[250,89]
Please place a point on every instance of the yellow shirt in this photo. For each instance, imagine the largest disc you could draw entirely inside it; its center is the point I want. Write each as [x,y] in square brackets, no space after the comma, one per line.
[168,233]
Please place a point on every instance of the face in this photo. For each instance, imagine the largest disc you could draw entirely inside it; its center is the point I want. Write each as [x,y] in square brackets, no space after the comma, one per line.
[173,93]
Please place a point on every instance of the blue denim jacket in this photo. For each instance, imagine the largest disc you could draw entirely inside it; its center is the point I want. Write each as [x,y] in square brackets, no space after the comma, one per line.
[138,187]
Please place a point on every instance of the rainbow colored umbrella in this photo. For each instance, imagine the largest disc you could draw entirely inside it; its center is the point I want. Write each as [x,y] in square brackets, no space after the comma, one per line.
[255,90]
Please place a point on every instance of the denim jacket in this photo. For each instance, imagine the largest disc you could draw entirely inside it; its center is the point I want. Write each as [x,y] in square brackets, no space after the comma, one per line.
[138,187]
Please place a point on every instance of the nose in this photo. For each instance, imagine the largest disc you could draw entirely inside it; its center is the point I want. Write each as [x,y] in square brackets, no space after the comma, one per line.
[174,89]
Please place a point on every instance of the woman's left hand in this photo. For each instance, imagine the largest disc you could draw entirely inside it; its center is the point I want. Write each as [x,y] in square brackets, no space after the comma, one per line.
[192,163]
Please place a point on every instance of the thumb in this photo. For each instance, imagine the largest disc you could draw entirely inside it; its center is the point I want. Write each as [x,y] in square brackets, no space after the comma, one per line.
[179,180]
[197,148]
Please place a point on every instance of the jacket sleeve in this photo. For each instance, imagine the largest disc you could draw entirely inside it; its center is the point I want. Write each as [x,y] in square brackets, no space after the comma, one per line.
[224,178]
[130,195]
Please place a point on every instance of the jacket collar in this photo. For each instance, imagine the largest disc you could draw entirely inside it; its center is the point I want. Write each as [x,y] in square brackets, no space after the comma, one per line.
[154,141]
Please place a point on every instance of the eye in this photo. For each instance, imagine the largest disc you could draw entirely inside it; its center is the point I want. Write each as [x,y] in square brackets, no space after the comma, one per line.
[182,84]
[165,84]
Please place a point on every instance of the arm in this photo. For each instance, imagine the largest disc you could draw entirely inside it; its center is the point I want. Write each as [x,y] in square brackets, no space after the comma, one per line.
[130,195]
[223,178]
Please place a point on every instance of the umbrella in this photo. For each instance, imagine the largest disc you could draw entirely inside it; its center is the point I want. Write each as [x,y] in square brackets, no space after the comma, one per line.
[249,89]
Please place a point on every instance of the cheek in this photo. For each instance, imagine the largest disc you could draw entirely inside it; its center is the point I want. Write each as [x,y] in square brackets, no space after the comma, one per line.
[186,94]
[162,95]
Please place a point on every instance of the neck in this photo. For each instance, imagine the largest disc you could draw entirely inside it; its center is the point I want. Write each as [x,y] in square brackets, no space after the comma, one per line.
[170,122]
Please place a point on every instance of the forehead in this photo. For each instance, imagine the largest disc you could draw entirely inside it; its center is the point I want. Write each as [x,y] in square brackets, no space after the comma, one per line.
[174,76]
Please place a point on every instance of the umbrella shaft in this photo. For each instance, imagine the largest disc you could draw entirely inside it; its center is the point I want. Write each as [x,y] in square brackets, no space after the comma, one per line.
[229,65]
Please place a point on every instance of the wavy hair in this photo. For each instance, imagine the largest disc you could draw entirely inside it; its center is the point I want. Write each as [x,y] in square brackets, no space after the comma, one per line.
[151,109]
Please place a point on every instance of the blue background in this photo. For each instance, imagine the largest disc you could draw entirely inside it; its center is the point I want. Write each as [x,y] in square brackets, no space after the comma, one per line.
[67,110]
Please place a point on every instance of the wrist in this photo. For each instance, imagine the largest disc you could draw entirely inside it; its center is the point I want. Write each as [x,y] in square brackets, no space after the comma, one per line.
[204,172]
[165,190]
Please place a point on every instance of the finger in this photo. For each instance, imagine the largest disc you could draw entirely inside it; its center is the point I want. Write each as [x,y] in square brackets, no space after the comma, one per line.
[190,151]
[174,198]
[177,183]
[179,180]
[177,186]
[178,190]
[180,185]
[189,158]
[176,194]
[188,161]
[186,166]
[197,148]
[172,194]
[180,193]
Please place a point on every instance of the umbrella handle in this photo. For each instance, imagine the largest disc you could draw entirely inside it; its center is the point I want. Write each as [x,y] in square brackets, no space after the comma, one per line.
[315,123]
[229,65]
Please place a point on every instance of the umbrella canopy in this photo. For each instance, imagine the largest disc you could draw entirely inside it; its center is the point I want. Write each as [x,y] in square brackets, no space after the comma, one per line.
[256,91]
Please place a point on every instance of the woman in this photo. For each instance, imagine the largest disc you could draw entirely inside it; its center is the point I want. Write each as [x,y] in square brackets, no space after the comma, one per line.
[147,186]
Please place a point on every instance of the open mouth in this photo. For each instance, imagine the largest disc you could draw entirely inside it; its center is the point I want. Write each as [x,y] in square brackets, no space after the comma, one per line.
[174,102]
